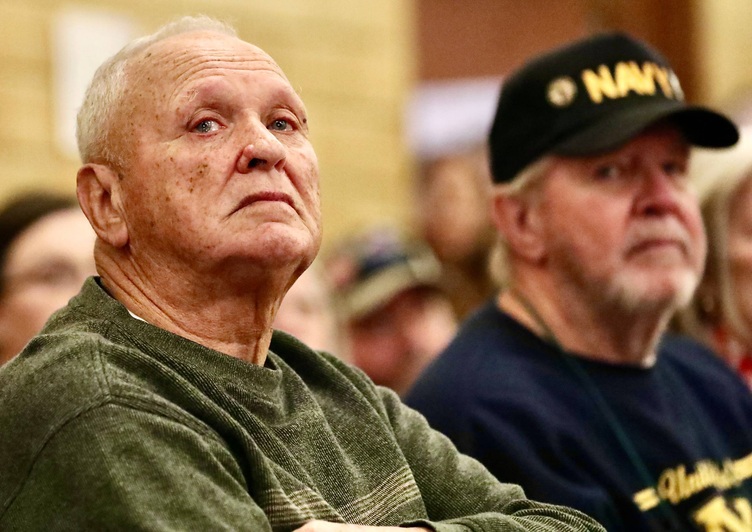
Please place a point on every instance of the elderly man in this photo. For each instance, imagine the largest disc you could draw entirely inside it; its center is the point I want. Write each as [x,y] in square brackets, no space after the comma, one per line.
[160,398]
[565,382]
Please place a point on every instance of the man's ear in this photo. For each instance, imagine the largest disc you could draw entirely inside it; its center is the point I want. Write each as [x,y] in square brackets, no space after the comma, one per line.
[99,193]
[518,220]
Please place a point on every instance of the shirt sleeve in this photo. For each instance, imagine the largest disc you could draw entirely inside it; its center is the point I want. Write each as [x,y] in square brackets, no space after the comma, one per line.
[460,494]
[115,467]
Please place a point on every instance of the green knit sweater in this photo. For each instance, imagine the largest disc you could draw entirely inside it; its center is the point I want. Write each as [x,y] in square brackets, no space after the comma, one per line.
[110,423]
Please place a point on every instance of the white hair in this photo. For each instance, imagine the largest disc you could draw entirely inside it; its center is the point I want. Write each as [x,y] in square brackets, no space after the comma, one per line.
[718,176]
[107,89]
[523,185]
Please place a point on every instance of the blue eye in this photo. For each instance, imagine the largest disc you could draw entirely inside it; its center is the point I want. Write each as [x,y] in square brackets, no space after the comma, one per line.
[207,126]
[280,124]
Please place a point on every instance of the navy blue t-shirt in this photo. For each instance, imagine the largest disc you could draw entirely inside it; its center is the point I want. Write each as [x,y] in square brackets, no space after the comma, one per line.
[513,401]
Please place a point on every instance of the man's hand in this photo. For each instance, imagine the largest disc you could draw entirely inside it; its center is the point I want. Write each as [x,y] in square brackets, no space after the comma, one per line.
[326,526]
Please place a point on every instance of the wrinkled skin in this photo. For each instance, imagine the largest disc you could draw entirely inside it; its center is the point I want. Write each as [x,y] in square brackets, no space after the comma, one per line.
[214,210]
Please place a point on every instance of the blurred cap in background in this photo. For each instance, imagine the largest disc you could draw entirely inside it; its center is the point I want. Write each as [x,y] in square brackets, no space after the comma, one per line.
[370,269]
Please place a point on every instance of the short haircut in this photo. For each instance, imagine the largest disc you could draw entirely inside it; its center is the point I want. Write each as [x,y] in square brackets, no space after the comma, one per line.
[107,89]
[524,184]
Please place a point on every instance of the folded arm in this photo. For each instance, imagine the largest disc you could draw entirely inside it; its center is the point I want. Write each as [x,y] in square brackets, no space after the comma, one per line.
[460,494]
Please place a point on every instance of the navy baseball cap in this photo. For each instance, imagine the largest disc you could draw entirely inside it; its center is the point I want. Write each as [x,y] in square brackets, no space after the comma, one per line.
[591,97]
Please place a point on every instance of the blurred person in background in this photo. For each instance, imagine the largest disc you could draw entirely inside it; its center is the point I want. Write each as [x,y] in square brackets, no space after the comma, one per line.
[397,317]
[308,313]
[720,314]
[447,126]
[46,252]
[566,383]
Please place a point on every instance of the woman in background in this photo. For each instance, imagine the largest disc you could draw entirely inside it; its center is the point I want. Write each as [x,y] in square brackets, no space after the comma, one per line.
[46,252]
[721,313]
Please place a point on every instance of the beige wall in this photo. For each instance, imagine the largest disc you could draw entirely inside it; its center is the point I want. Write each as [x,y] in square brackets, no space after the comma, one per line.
[724,47]
[352,61]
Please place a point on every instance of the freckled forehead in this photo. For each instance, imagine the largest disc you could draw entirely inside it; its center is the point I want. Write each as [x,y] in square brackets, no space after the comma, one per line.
[179,59]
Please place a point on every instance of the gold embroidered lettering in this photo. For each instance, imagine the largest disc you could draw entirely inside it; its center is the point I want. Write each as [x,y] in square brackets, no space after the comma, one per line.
[600,84]
[717,516]
[663,77]
[743,468]
[667,486]
[676,484]
[647,76]
[629,77]
[646,499]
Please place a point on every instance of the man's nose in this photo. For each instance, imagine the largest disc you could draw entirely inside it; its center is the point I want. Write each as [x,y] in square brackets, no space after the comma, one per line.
[659,192]
[265,151]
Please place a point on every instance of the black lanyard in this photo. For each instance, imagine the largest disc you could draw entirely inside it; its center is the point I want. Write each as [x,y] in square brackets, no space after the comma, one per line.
[670,520]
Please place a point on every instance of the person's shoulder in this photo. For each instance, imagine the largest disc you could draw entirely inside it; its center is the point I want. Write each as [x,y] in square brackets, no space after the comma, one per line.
[683,351]
[492,358]
[699,366]
[488,342]
[57,373]
[327,376]
[77,362]
[485,327]
[300,356]
[315,366]
[53,381]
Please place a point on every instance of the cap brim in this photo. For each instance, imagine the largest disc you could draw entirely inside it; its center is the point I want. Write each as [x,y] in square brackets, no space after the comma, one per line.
[373,293]
[701,127]
[377,292]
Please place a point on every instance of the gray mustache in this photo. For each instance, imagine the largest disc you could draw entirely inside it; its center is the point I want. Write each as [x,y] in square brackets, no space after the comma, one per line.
[669,230]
